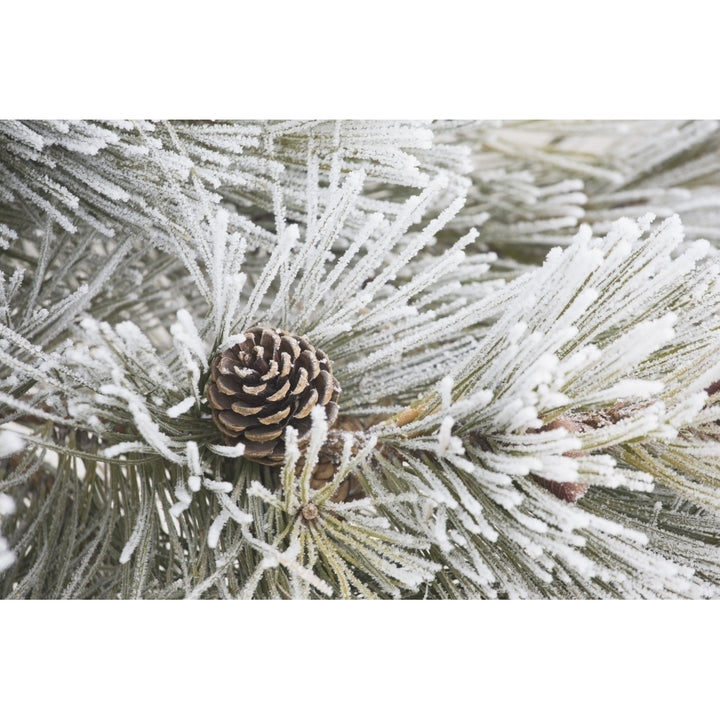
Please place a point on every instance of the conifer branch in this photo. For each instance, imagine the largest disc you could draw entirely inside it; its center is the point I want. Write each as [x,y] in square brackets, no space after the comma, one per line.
[509,386]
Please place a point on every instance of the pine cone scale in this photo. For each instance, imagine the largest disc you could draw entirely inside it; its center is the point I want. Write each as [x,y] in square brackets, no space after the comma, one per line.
[242,408]
[271,373]
[228,385]
[306,404]
[254,389]
[309,363]
[235,423]
[301,382]
[262,435]
[289,346]
[281,393]
[285,364]
[218,400]
[275,417]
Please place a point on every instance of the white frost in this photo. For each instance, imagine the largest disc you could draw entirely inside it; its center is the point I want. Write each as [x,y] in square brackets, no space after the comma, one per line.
[230,451]
[10,443]
[182,407]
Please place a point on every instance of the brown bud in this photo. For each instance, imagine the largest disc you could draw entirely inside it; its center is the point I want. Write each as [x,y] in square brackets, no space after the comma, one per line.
[310,512]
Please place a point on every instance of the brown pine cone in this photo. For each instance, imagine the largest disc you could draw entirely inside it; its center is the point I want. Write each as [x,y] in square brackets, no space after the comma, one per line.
[330,457]
[270,380]
[568,491]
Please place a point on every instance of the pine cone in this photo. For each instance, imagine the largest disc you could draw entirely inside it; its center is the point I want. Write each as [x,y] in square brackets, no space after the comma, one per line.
[330,457]
[568,491]
[270,380]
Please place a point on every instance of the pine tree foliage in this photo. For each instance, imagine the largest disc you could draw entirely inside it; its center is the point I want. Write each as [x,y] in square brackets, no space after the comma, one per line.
[523,318]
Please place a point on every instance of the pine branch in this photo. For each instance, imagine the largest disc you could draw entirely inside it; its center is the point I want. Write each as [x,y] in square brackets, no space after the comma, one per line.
[506,429]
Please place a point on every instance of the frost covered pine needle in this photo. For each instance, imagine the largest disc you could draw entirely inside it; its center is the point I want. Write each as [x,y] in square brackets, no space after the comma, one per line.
[359,359]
